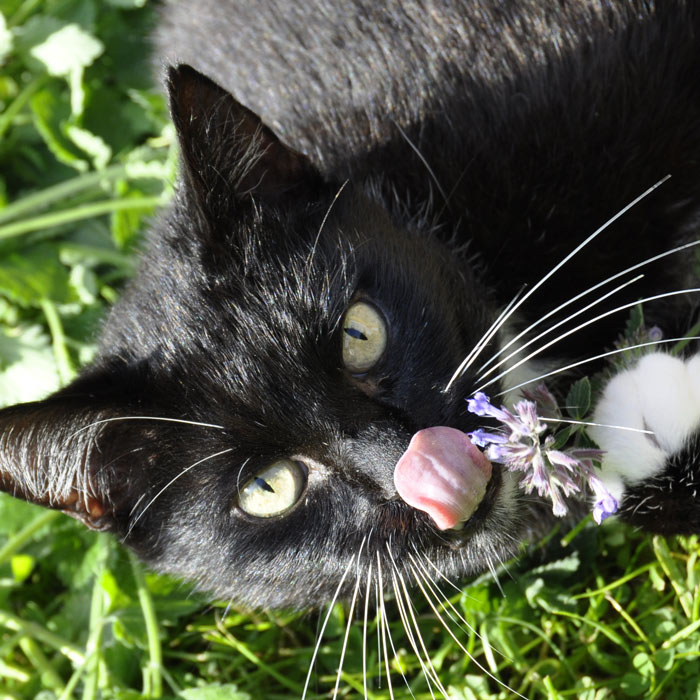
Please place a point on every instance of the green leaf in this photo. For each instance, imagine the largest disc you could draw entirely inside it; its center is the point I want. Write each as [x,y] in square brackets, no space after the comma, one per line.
[29,276]
[66,53]
[633,685]
[92,144]
[578,400]
[30,371]
[664,658]
[50,112]
[22,566]
[214,692]
[644,665]
[5,39]
[127,224]
[635,322]
[127,4]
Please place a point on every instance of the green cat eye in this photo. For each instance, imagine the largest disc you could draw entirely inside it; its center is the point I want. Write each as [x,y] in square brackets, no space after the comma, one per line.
[273,490]
[364,337]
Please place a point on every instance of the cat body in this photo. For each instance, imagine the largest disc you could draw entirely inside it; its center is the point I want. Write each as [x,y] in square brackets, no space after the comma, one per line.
[414,163]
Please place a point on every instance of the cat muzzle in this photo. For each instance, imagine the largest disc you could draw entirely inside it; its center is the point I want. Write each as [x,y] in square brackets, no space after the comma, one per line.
[443,474]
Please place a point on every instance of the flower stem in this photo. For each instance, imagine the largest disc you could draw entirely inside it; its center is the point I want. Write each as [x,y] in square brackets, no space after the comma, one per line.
[49,677]
[41,634]
[85,211]
[18,103]
[66,371]
[98,609]
[152,673]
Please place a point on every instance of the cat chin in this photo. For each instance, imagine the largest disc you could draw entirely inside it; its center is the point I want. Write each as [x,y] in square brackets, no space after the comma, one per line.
[656,408]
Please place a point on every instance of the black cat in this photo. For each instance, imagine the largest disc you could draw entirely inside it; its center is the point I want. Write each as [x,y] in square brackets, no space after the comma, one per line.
[324,269]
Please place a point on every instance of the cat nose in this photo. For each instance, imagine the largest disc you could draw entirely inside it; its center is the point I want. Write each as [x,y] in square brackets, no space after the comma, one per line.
[443,474]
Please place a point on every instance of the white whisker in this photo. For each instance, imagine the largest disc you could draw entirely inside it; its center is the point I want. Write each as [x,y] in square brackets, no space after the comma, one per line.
[559,308]
[156,418]
[461,621]
[437,570]
[170,483]
[325,623]
[666,295]
[593,359]
[364,631]
[547,331]
[596,425]
[424,161]
[383,625]
[483,341]
[393,648]
[563,262]
[459,644]
[349,624]
[427,667]
[312,254]
[494,574]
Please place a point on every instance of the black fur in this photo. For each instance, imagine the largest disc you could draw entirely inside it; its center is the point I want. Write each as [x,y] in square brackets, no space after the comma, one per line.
[480,144]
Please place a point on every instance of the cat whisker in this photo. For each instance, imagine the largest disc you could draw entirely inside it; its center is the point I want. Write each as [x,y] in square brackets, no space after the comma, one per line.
[480,666]
[364,631]
[465,170]
[437,570]
[574,299]
[238,476]
[325,624]
[416,150]
[351,612]
[393,648]
[484,340]
[440,596]
[593,359]
[596,425]
[409,632]
[170,483]
[156,418]
[548,330]
[426,666]
[383,624]
[312,254]
[581,326]
[226,610]
[494,574]
[558,266]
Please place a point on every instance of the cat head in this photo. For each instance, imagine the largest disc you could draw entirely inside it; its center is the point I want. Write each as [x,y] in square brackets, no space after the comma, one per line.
[256,385]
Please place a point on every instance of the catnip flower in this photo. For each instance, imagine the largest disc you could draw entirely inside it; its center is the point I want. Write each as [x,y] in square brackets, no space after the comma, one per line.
[518,444]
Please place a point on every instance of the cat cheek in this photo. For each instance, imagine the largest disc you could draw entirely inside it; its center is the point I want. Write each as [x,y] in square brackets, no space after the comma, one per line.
[443,474]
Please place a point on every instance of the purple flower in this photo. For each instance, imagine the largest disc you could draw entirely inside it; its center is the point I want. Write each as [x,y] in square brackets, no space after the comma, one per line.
[604,508]
[655,334]
[553,473]
[480,405]
[482,438]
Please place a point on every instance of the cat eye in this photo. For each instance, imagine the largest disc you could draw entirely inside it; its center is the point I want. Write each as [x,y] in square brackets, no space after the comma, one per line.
[273,490]
[364,337]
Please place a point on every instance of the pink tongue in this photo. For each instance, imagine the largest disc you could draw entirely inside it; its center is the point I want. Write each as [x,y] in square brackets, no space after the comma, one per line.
[443,474]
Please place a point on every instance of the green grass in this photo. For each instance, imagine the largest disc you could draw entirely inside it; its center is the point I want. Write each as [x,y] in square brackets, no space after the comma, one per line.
[86,154]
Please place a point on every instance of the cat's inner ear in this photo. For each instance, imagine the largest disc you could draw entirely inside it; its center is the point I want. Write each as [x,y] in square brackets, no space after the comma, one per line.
[226,147]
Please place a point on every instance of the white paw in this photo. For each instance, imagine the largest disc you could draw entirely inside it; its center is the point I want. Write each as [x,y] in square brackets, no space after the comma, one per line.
[660,394]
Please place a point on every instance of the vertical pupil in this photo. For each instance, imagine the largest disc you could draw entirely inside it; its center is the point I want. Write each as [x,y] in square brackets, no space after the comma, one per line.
[264,485]
[354,333]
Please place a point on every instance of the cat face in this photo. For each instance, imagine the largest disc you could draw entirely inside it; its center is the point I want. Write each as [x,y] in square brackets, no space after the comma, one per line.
[262,376]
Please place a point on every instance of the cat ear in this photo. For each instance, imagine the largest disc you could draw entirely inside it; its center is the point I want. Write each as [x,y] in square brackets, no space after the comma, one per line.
[51,454]
[225,147]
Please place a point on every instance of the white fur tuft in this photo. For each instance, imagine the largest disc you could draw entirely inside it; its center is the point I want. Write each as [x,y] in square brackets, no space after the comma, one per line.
[662,394]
